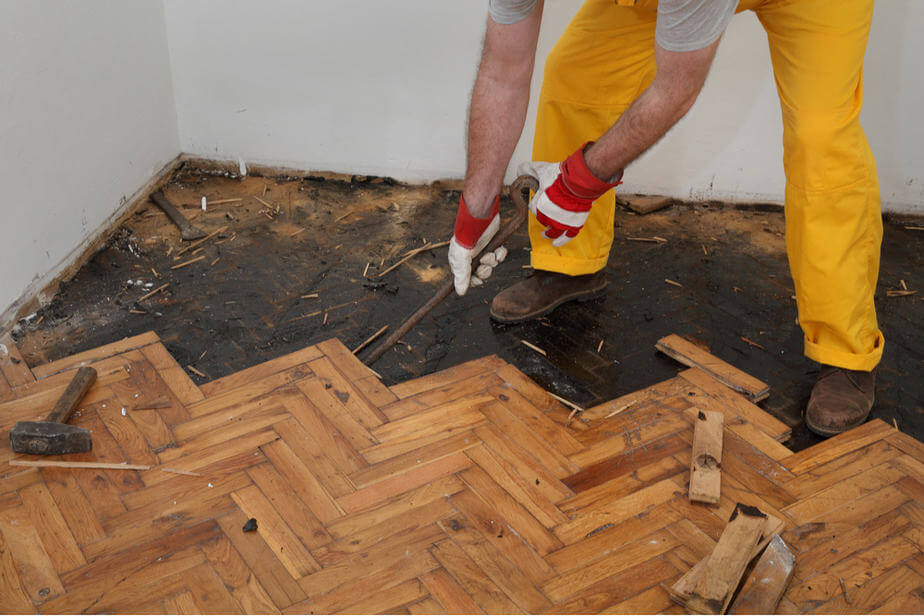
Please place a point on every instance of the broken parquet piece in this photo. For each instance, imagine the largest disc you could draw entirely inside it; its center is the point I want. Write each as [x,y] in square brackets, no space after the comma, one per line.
[764,588]
[725,566]
[706,463]
[691,355]
[461,491]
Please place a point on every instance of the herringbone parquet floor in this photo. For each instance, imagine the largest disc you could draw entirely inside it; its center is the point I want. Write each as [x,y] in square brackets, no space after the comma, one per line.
[465,491]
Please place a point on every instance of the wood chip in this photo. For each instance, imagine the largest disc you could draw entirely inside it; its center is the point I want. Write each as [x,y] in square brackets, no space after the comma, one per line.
[324,322]
[915,228]
[198,243]
[568,403]
[221,201]
[705,252]
[747,340]
[673,282]
[296,232]
[899,293]
[133,311]
[410,254]
[196,372]
[534,347]
[179,472]
[621,409]
[152,293]
[190,262]
[366,271]
[369,339]
[217,259]
[310,296]
[342,217]
[654,239]
[600,346]
[904,286]
[63,464]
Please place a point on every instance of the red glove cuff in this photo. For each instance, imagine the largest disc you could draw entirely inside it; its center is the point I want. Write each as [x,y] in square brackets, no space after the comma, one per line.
[579,179]
[468,228]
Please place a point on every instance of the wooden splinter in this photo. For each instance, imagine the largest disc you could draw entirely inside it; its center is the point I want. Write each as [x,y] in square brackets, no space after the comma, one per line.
[706,464]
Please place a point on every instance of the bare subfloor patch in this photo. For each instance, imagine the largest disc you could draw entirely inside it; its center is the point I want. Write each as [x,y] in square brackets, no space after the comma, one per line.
[296,260]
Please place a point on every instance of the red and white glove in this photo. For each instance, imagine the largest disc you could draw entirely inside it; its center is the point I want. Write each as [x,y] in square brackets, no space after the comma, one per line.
[566,192]
[469,238]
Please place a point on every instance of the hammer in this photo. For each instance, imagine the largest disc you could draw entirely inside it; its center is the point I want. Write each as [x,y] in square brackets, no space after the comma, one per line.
[53,436]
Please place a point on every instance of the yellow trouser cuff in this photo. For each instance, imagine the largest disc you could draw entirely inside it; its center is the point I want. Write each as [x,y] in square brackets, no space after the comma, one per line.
[843,359]
[554,262]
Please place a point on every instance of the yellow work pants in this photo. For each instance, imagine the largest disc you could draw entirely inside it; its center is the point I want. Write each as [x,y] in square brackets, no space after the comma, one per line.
[605,59]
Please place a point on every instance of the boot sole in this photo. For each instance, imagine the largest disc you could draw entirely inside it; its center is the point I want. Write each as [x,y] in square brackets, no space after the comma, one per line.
[822,431]
[582,296]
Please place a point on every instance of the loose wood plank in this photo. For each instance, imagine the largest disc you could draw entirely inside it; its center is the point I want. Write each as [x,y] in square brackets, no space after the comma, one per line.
[725,566]
[706,464]
[691,355]
[766,584]
[13,368]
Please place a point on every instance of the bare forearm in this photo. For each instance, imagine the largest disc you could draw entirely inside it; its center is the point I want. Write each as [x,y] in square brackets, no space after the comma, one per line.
[673,91]
[498,109]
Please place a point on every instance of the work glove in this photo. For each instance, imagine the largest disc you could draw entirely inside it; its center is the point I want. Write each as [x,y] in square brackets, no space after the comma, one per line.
[566,192]
[469,238]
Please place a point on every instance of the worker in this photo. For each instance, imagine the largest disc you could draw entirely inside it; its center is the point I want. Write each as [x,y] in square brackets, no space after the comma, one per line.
[621,75]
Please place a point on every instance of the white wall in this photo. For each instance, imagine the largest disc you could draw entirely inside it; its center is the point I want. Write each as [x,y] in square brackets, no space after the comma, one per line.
[382,87]
[86,119]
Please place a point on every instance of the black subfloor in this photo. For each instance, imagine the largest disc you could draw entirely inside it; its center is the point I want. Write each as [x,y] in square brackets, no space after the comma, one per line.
[242,304]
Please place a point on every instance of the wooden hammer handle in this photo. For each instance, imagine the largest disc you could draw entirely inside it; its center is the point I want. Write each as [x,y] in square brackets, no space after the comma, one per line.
[72,396]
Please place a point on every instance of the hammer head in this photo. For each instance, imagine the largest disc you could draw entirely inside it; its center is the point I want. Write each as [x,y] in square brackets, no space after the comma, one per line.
[49,438]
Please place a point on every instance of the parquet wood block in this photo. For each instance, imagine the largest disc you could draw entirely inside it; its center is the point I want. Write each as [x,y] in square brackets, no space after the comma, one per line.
[464,491]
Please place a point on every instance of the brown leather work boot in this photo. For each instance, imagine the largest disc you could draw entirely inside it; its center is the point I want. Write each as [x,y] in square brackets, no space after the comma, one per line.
[543,292]
[841,400]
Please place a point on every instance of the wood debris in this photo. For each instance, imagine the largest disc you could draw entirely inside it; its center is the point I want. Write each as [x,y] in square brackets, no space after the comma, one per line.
[899,293]
[600,346]
[190,262]
[116,466]
[673,282]
[310,296]
[757,345]
[179,472]
[653,239]
[534,347]
[410,254]
[192,369]
[197,243]
[369,339]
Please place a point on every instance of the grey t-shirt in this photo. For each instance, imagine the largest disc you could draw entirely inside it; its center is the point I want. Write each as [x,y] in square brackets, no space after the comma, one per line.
[683,25]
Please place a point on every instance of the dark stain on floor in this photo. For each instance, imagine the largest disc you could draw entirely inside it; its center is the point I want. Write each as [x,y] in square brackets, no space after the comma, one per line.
[252,296]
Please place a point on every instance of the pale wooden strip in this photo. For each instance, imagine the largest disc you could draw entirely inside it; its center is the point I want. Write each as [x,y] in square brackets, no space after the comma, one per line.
[117,466]
[706,462]
[764,588]
[691,355]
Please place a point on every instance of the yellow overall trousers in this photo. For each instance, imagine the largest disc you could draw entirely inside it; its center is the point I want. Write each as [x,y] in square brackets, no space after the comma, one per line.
[605,59]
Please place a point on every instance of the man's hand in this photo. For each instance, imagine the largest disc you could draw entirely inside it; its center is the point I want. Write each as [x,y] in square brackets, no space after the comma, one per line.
[566,192]
[469,238]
